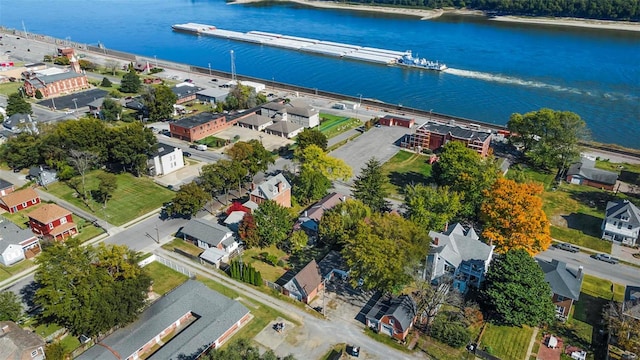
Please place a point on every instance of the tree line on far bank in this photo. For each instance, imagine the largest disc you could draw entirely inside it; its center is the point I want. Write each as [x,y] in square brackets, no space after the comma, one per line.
[589,9]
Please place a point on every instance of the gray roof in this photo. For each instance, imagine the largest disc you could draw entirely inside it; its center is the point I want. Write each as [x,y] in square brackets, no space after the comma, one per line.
[16,341]
[213,92]
[269,188]
[294,107]
[255,120]
[185,90]
[456,131]
[586,169]
[563,281]
[402,308]
[617,209]
[332,261]
[12,234]
[4,184]
[631,305]
[163,149]
[206,231]
[134,105]
[216,314]
[47,79]
[457,245]
[96,103]
[284,127]
[14,120]
[197,120]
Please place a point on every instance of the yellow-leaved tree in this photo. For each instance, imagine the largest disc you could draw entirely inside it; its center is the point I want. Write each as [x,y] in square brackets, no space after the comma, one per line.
[513,217]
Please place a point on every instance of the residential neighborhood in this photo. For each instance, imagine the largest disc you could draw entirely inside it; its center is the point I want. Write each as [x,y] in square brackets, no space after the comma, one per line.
[174,219]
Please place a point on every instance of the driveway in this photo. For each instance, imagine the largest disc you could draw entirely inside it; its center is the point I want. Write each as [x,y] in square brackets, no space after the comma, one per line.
[270,142]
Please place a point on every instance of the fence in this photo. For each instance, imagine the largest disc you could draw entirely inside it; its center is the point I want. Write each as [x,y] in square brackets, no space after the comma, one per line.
[274,286]
[177,267]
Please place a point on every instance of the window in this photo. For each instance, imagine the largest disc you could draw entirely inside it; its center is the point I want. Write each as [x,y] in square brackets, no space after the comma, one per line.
[34,353]
[559,310]
[560,298]
[391,322]
[63,220]
[629,227]
[24,204]
[50,226]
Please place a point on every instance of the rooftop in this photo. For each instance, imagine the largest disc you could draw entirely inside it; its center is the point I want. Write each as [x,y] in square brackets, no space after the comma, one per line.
[623,208]
[586,168]
[185,89]
[48,213]
[563,281]
[631,305]
[456,131]
[284,127]
[309,277]
[4,184]
[197,120]
[19,197]
[206,231]
[12,234]
[269,188]
[457,245]
[163,149]
[402,308]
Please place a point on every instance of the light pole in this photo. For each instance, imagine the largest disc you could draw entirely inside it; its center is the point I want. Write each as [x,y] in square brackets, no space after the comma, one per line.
[209,69]
[75,101]
[430,114]
[155,60]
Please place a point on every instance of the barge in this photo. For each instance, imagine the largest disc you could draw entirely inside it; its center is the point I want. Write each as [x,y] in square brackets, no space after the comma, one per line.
[328,48]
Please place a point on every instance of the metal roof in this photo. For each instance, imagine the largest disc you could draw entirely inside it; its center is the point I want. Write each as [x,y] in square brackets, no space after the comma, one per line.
[586,169]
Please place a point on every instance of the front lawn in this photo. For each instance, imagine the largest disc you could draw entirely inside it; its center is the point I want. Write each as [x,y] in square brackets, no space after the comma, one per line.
[134,197]
[601,288]
[182,245]
[406,168]
[332,125]
[506,342]
[164,278]
[8,271]
[212,142]
[545,178]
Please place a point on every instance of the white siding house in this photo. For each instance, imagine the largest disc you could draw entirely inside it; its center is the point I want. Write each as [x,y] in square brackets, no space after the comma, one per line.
[622,222]
[166,160]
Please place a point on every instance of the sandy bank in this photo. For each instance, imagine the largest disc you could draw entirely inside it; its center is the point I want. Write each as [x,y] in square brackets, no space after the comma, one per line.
[425,14]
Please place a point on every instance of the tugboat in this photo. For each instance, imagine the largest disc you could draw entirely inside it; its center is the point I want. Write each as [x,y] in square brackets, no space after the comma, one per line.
[408,60]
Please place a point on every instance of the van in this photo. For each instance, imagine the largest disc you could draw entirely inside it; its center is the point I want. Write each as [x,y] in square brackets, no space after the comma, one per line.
[201,147]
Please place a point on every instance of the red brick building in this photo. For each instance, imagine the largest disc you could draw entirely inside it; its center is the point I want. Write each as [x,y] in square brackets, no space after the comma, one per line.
[199,126]
[19,200]
[392,120]
[52,221]
[56,84]
[433,136]
[276,188]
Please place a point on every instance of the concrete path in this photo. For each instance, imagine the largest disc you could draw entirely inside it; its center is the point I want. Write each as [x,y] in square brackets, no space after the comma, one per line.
[531,343]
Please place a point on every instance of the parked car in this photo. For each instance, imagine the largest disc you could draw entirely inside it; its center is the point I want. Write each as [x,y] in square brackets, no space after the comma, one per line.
[188,80]
[567,247]
[353,350]
[186,153]
[606,258]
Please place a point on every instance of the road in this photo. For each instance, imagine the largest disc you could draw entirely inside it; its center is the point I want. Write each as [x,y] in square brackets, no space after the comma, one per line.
[619,273]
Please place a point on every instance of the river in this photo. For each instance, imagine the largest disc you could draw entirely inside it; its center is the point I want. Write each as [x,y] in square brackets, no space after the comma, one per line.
[496,68]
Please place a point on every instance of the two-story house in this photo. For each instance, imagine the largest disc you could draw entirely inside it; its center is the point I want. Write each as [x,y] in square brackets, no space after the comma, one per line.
[565,285]
[310,219]
[19,200]
[53,222]
[306,284]
[458,255]
[165,159]
[621,223]
[276,188]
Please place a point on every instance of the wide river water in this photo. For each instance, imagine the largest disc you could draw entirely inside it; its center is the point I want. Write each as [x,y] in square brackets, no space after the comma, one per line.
[496,69]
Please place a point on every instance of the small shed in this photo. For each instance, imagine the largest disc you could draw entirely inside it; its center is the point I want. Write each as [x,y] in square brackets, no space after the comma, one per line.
[552,343]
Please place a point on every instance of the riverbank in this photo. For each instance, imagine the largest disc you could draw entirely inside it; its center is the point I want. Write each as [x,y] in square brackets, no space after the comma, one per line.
[425,14]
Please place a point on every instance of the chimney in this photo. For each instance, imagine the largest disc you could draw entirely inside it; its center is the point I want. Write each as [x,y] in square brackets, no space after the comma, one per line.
[305,213]
[435,241]
[579,274]
[5,329]
[280,186]
[343,198]
[446,226]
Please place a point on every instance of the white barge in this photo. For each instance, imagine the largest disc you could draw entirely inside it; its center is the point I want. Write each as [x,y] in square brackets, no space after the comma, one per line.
[328,48]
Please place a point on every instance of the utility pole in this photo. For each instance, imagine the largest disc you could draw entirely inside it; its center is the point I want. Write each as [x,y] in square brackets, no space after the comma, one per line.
[157,234]
[324,297]
[209,69]
[233,66]
[75,101]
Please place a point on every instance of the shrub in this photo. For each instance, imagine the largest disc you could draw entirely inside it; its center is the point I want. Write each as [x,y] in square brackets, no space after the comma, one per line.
[105,82]
[446,329]
[39,94]
[272,259]
[156,70]
[281,263]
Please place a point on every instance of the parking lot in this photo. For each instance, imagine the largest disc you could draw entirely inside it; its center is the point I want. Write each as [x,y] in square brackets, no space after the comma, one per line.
[270,142]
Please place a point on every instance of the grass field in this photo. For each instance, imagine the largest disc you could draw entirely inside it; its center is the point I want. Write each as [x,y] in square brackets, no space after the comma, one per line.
[133,197]
[164,278]
[507,342]
[187,247]
[269,272]
[546,179]
[332,125]
[438,350]
[9,88]
[406,168]
[602,288]
[212,142]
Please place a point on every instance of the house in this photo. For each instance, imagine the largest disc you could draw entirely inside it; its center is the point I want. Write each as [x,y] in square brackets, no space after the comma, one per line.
[16,244]
[207,234]
[433,136]
[42,175]
[459,255]
[18,123]
[584,172]
[312,216]
[166,159]
[56,84]
[256,86]
[185,92]
[195,318]
[141,66]
[621,223]
[52,221]
[393,316]
[565,285]
[234,219]
[284,129]
[212,95]
[333,264]
[198,126]
[255,122]
[631,303]
[276,188]
[295,112]
[6,187]
[95,107]
[19,200]
[20,344]
[392,120]
[306,284]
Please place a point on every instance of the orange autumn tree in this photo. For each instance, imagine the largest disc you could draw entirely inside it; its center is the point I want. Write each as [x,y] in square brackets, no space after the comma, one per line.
[513,217]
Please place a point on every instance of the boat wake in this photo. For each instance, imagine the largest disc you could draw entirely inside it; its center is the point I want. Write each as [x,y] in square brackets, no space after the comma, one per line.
[533,84]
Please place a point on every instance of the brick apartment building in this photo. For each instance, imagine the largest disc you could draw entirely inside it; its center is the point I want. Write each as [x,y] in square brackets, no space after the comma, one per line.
[57,84]
[199,126]
[433,136]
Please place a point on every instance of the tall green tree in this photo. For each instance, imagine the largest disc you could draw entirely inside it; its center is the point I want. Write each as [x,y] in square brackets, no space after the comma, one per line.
[252,155]
[370,186]
[274,223]
[223,176]
[516,292]
[297,241]
[107,184]
[311,137]
[341,222]
[188,200]
[550,138]
[467,173]
[431,207]
[310,185]
[105,82]
[159,101]
[16,104]
[312,157]
[22,151]
[130,145]
[10,306]
[242,350]
[111,110]
[130,81]
[90,290]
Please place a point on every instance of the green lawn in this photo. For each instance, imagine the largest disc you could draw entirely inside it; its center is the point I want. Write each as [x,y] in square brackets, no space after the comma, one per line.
[70,343]
[8,271]
[387,340]
[629,173]
[185,246]
[546,179]
[133,197]
[438,350]
[507,342]
[9,88]
[228,292]
[579,238]
[332,125]
[269,272]
[164,278]
[406,168]
[601,288]
[212,142]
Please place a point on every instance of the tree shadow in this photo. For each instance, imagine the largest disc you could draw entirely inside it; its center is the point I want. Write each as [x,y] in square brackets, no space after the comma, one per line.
[587,224]
[401,180]
[593,199]
[27,293]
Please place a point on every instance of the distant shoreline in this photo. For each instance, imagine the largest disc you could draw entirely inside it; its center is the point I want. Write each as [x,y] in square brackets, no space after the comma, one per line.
[425,14]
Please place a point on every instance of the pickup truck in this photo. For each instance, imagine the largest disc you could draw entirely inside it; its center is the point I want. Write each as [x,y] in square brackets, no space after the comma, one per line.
[606,258]
[567,247]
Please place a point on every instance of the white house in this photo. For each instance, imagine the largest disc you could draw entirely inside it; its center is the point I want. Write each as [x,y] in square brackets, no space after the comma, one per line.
[167,159]
[621,222]
[207,234]
[16,244]
[459,255]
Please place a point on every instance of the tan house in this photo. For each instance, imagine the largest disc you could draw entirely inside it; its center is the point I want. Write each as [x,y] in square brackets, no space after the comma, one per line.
[19,344]
[306,285]
[19,200]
